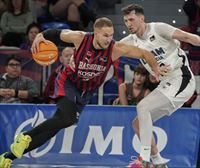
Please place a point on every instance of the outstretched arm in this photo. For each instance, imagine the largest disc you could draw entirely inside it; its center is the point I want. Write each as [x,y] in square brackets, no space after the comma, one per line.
[186,37]
[56,35]
[121,49]
[170,32]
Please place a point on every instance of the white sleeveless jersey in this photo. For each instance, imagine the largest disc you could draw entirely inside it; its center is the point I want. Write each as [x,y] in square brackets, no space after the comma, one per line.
[158,40]
[179,85]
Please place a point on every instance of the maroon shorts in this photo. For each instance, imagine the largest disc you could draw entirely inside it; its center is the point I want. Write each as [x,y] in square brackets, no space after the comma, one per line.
[80,98]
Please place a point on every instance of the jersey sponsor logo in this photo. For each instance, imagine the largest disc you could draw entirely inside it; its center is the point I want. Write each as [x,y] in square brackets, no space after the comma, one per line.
[158,51]
[104,59]
[159,58]
[87,59]
[88,75]
[94,67]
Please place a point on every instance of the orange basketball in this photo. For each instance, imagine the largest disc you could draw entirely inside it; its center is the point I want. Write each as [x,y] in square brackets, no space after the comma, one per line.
[47,55]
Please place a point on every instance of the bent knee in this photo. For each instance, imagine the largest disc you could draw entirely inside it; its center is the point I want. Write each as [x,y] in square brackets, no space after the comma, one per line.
[69,121]
[142,107]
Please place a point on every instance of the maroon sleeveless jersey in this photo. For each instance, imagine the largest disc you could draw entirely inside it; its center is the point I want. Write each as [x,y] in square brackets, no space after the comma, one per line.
[90,67]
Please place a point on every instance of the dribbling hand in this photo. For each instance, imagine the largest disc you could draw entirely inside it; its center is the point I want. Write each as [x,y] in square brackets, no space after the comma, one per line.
[38,39]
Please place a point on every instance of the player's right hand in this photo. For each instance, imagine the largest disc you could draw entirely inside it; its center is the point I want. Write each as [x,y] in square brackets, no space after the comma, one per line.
[164,70]
[161,71]
[38,39]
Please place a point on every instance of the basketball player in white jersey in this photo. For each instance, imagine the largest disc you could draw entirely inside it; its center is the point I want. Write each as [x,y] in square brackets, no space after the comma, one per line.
[174,89]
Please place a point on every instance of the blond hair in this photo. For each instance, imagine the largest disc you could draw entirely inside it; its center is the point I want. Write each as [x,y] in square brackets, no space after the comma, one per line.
[103,22]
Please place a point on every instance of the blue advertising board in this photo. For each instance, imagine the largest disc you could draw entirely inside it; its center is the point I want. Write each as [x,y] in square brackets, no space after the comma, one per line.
[103,136]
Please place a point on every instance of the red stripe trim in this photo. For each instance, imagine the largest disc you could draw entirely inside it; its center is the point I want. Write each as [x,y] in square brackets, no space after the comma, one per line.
[77,59]
[85,87]
[61,80]
[79,51]
[108,54]
[94,81]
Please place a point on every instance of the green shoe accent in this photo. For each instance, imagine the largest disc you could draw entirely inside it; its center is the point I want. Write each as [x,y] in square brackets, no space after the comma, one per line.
[138,163]
[146,164]
[5,162]
[21,142]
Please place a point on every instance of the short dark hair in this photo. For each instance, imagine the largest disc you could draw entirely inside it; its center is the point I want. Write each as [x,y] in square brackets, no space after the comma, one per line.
[141,70]
[13,57]
[30,26]
[132,7]
[102,22]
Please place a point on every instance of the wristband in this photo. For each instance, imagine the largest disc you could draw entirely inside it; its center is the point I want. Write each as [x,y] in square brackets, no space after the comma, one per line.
[52,35]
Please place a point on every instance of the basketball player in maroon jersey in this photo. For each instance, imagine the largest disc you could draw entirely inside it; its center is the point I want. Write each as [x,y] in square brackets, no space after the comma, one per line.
[95,53]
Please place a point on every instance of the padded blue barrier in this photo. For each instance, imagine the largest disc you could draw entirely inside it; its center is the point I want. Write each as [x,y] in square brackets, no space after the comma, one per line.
[103,136]
[54,25]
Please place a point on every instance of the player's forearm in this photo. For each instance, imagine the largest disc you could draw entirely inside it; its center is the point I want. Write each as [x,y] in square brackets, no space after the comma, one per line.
[150,59]
[190,38]
[194,40]
[186,37]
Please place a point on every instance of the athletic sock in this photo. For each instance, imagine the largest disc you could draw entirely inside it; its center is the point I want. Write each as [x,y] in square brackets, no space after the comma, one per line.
[145,153]
[158,159]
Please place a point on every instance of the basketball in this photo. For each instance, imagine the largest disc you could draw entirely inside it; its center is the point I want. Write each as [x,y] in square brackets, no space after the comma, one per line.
[47,55]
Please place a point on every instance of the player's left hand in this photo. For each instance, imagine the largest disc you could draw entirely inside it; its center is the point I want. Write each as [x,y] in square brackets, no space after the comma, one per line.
[162,71]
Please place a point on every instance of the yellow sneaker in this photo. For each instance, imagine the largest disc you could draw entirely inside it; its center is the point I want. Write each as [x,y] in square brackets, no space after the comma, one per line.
[137,162]
[5,162]
[21,142]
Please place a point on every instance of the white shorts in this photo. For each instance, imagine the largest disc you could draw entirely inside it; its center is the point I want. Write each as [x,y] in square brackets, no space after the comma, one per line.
[177,90]
[170,95]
